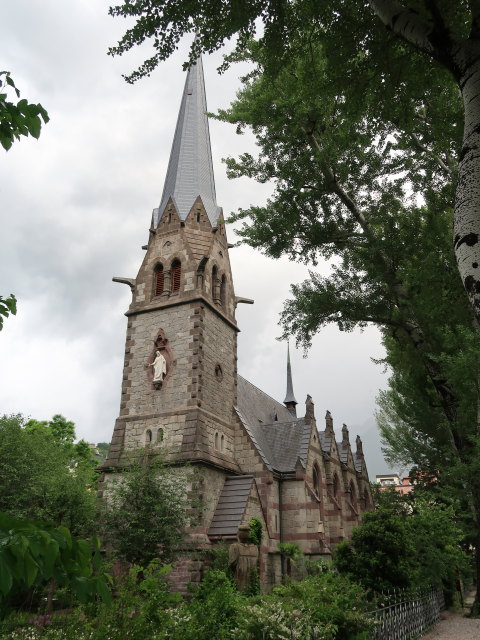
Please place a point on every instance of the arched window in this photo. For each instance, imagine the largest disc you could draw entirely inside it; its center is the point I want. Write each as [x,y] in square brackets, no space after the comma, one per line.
[176,274]
[223,291]
[366,501]
[159,280]
[215,284]
[316,479]
[160,435]
[216,441]
[222,443]
[353,494]
[335,486]
[148,436]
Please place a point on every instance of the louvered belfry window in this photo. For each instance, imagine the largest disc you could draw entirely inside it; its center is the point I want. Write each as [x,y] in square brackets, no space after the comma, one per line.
[176,275]
[159,280]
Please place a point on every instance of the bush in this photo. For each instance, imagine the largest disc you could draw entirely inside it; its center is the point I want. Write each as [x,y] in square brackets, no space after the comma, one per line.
[212,613]
[146,510]
[404,543]
[328,603]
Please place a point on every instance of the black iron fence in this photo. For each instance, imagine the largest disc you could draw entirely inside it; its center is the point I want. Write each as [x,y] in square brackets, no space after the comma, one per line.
[406,615]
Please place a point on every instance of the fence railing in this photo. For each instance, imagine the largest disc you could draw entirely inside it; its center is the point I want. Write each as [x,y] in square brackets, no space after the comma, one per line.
[406,615]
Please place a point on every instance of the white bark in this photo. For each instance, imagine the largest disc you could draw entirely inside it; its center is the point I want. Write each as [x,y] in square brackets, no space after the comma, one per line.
[405,23]
[467,200]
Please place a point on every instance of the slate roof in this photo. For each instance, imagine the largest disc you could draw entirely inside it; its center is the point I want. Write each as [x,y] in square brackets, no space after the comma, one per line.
[280,442]
[231,506]
[190,169]
[342,452]
[358,462]
[326,439]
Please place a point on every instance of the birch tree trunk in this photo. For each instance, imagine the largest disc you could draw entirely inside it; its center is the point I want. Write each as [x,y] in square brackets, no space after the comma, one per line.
[461,56]
[467,200]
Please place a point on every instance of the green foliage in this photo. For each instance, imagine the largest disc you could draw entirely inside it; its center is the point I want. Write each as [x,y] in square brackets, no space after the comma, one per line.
[59,429]
[254,587]
[323,606]
[255,531]
[326,606]
[404,543]
[32,553]
[217,558]
[211,613]
[17,119]
[145,512]
[41,480]
[7,306]
[102,448]
[139,608]
[290,550]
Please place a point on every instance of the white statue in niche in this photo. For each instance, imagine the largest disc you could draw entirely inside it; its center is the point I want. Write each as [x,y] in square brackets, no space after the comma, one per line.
[159,367]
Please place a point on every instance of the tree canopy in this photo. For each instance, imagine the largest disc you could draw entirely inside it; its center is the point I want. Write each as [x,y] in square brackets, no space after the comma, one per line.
[40,479]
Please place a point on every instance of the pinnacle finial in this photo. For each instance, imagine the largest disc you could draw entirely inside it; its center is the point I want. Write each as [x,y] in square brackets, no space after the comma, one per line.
[290,401]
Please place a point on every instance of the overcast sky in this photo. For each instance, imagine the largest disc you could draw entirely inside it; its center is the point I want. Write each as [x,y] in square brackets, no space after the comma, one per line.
[75,208]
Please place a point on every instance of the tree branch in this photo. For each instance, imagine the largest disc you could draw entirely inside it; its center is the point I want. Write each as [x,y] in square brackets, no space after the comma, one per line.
[425,149]
[424,35]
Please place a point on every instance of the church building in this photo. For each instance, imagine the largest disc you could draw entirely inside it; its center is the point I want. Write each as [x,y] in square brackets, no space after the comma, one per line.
[181,392]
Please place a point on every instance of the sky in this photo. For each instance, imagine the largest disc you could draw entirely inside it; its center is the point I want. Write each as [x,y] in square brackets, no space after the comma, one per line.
[75,207]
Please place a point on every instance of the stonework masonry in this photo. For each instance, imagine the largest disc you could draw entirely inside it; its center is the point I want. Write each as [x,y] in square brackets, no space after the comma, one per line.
[252,456]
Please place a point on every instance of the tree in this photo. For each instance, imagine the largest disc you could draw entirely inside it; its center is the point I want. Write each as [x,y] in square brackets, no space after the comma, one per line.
[39,479]
[380,275]
[383,36]
[146,510]
[18,119]
[407,542]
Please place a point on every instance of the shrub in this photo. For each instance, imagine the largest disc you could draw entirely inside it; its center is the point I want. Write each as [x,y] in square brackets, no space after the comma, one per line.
[403,544]
[256,531]
[146,510]
[212,613]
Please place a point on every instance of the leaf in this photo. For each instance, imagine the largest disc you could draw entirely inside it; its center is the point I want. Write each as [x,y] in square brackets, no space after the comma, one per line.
[22,106]
[6,579]
[82,588]
[50,556]
[103,590]
[34,126]
[31,570]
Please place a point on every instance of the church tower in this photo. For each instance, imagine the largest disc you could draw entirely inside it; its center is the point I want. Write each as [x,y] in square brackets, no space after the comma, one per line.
[180,374]
[181,395]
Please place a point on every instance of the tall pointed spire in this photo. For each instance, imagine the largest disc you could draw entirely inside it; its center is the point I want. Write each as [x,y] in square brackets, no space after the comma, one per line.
[190,169]
[290,401]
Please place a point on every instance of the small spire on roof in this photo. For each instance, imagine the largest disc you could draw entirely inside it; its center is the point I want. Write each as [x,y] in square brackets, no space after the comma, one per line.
[309,409]
[290,401]
[359,445]
[328,421]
